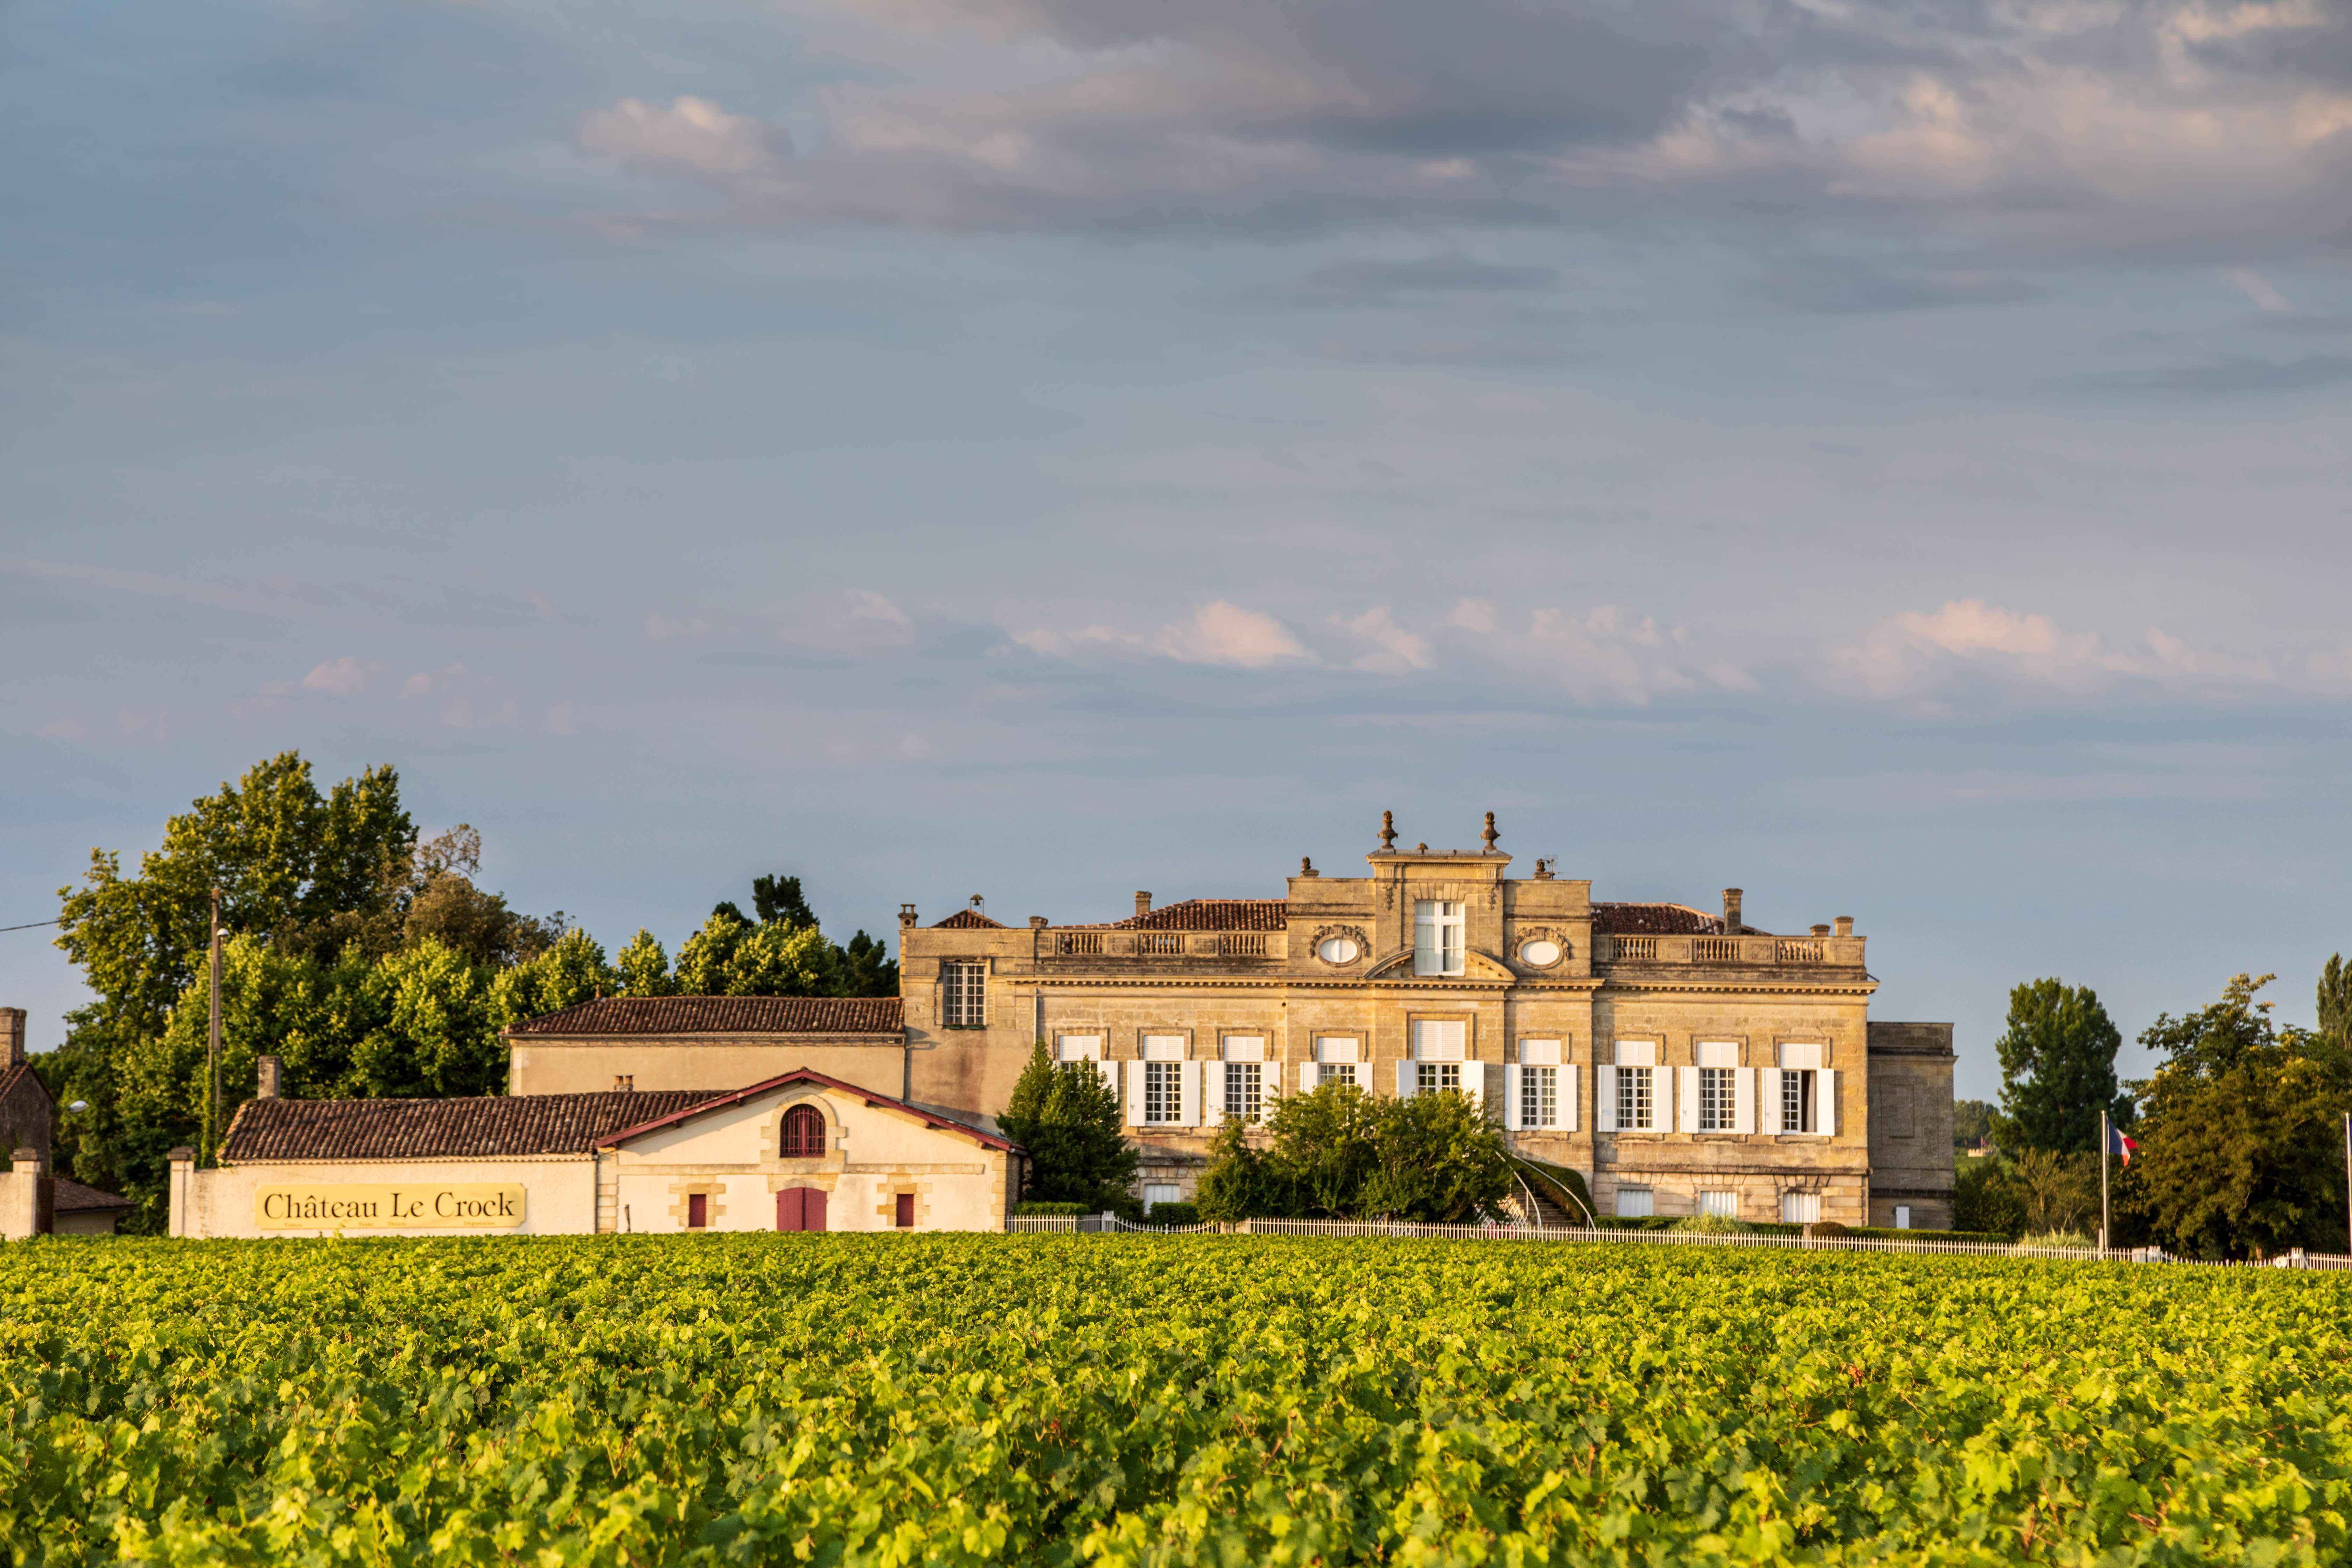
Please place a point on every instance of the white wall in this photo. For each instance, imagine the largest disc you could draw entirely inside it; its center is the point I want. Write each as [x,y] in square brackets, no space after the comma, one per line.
[560,1195]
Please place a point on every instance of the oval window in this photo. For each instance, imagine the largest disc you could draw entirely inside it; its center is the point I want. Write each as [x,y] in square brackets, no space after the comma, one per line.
[1542,953]
[1337,949]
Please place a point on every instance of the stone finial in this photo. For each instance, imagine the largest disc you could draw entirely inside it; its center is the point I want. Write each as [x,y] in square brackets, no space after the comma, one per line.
[1036,922]
[1845,925]
[1543,871]
[1731,911]
[1142,903]
[266,1071]
[1421,848]
[1820,931]
[1490,834]
[906,916]
[1388,831]
[1307,866]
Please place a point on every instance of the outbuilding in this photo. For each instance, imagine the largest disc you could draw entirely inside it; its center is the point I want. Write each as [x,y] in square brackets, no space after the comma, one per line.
[802,1150]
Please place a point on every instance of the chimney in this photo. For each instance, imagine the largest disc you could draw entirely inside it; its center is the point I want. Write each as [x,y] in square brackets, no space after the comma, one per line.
[267,1068]
[1036,922]
[1845,925]
[1142,903]
[12,1037]
[1731,911]
[906,916]
[30,1162]
[1820,931]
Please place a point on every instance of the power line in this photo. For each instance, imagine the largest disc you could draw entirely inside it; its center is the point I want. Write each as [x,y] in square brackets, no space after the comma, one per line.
[30,925]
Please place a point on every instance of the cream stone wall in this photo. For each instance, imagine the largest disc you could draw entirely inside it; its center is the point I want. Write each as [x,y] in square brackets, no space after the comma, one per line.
[542,1064]
[871,1154]
[560,1194]
[1199,986]
[1911,1156]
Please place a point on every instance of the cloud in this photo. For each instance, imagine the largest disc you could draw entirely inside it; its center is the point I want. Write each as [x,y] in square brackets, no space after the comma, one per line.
[1394,647]
[1217,633]
[1605,657]
[344,677]
[693,136]
[2044,126]
[1969,655]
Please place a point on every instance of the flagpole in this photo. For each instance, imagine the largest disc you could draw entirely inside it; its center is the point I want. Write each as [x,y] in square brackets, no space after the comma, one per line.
[2106,1138]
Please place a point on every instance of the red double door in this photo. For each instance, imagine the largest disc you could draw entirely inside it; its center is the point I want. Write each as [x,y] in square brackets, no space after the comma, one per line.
[799,1208]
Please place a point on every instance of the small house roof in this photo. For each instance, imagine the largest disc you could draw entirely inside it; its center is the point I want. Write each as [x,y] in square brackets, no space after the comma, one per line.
[69,1196]
[932,1119]
[477,1127]
[722,1016]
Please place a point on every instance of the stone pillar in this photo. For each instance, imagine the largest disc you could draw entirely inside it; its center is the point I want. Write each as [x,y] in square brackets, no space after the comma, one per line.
[12,1037]
[184,1191]
[1142,903]
[1731,911]
[27,1198]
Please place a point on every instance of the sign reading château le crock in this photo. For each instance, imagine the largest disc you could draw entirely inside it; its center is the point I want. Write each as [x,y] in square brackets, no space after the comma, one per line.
[421,1206]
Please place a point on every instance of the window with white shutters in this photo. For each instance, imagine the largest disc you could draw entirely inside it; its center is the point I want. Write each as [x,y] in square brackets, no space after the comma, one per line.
[1801,1208]
[1634,1105]
[1724,1205]
[1156,1194]
[1539,1096]
[964,994]
[1433,1078]
[1164,1092]
[1715,1099]
[1797,1109]
[1339,1072]
[1245,1096]
[1437,937]
[1634,1203]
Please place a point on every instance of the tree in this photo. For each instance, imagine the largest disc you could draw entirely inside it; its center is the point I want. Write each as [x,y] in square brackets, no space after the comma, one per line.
[2242,1147]
[1328,1144]
[1338,1150]
[1971,1123]
[2057,1191]
[645,967]
[1069,1120]
[1440,1161]
[2057,1069]
[2335,999]
[778,901]
[730,957]
[1986,1198]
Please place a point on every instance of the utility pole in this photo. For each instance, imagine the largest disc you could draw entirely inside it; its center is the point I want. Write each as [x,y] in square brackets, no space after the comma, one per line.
[213,1043]
[2106,1138]
[2347,1172]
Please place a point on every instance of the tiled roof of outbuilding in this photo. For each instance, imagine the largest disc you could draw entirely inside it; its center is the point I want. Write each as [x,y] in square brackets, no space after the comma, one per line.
[72,1197]
[10,1076]
[967,920]
[1658,919]
[716,1102]
[723,1016]
[484,1127]
[1210,914]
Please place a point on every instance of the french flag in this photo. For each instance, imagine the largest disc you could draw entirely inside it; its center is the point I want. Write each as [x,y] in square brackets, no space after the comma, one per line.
[2120,1144]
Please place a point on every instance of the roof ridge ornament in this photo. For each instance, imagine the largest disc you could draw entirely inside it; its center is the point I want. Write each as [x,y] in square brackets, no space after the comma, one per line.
[1490,834]
[1388,832]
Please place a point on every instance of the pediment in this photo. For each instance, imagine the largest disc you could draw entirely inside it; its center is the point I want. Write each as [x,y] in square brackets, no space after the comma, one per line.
[1476,965]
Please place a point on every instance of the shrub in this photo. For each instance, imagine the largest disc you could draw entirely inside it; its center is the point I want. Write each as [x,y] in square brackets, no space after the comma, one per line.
[2056,1238]
[1173,1213]
[1035,1210]
[1711,1224]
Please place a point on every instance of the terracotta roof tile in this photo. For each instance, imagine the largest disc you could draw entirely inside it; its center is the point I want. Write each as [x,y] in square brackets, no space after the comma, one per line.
[485,1127]
[969,919]
[72,1197]
[723,1016]
[1207,914]
[808,1074]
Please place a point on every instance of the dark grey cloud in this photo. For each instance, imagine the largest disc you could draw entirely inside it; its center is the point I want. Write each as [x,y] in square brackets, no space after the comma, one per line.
[2225,375]
[1848,283]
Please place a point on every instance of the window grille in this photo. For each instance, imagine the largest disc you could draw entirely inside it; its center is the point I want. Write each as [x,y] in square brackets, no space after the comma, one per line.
[1539,1096]
[1164,1092]
[1435,1077]
[804,1136]
[963,988]
[1715,1099]
[1244,1094]
[1796,1100]
[1633,1099]
[1339,1072]
[1437,940]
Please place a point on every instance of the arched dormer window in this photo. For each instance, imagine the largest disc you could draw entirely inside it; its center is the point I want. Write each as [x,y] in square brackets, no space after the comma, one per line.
[803,1132]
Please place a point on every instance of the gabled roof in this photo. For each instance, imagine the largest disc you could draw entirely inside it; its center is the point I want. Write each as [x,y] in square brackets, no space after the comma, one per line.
[71,1197]
[932,1119]
[722,1016]
[967,920]
[1205,914]
[1658,919]
[11,1077]
[481,1127]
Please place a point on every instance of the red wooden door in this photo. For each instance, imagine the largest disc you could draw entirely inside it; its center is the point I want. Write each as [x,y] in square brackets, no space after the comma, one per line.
[906,1211]
[799,1208]
[698,1211]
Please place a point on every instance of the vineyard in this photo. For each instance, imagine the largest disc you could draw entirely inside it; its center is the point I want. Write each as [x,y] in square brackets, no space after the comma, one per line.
[761,1399]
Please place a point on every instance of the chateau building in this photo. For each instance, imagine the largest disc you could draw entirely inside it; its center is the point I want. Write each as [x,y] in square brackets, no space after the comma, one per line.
[1685,1061]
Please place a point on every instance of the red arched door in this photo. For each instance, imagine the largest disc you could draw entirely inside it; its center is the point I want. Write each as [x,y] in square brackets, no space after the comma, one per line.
[799,1208]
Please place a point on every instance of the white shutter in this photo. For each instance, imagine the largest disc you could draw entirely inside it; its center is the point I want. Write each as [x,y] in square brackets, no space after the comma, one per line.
[1743,1100]
[1405,1081]
[1604,1098]
[1514,1107]
[1109,1071]
[1213,1092]
[1309,1075]
[1686,1100]
[1571,1083]
[1136,1073]
[1767,1100]
[1662,1100]
[1188,1112]
[1827,1109]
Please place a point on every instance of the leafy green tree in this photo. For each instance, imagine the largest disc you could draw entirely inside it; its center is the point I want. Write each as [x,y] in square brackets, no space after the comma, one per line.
[2242,1149]
[730,957]
[1327,1146]
[570,971]
[1986,1197]
[1069,1120]
[868,969]
[1971,1123]
[645,967]
[1440,1161]
[2057,1069]
[778,902]
[2335,999]
[1337,1151]
[1240,1182]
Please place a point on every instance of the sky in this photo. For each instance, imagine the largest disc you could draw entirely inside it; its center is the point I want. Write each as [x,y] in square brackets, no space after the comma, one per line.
[1890,458]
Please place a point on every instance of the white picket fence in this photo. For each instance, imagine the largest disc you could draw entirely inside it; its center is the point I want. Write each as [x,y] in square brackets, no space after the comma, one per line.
[1501,1231]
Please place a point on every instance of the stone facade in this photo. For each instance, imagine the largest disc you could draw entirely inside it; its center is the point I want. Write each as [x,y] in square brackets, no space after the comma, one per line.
[1439,968]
